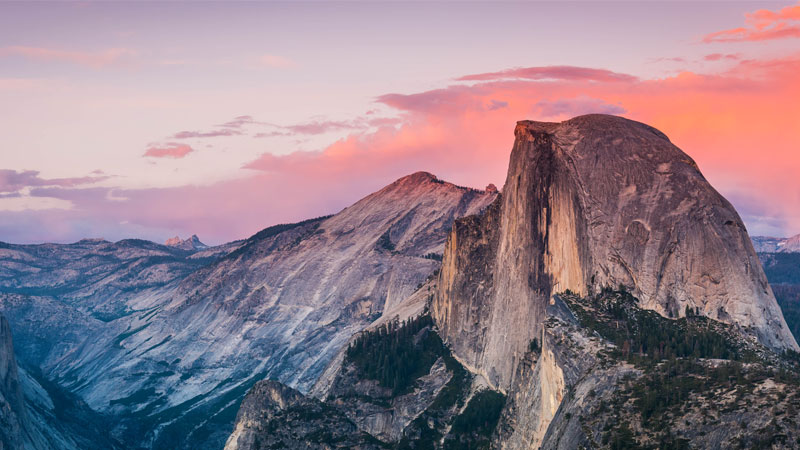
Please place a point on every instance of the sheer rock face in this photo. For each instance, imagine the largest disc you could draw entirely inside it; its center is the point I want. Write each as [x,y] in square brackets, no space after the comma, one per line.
[32,414]
[13,417]
[591,202]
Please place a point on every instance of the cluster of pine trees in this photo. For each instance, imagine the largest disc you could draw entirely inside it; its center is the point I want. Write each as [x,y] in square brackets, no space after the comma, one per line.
[472,429]
[397,353]
[645,336]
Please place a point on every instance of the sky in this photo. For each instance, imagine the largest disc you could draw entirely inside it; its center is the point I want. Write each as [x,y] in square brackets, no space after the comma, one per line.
[150,120]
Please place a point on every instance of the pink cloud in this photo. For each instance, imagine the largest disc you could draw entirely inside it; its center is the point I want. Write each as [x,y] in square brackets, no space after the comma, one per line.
[567,73]
[764,17]
[762,25]
[720,56]
[169,150]
[90,59]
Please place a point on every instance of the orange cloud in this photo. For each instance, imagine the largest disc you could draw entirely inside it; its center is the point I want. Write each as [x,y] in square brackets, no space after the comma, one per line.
[762,25]
[90,59]
[739,126]
[170,150]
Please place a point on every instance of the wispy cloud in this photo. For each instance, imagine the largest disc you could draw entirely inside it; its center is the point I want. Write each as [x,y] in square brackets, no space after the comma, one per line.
[319,127]
[12,181]
[241,121]
[762,25]
[96,59]
[568,73]
[205,134]
[169,150]
[270,134]
[721,56]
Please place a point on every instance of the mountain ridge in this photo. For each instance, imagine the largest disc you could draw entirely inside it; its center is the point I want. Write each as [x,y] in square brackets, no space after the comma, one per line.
[768,244]
[200,327]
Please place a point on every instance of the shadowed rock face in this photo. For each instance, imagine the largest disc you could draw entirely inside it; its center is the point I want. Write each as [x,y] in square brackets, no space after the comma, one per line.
[591,202]
[13,418]
[38,416]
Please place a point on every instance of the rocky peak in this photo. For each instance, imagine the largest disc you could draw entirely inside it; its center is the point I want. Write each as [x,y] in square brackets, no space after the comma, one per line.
[596,201]
[791,245]
[192,243]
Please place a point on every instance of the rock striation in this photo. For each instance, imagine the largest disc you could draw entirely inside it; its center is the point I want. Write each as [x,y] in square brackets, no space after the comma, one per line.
[596,201]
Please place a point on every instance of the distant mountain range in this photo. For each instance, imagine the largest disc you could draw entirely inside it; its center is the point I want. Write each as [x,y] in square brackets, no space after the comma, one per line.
[765,244]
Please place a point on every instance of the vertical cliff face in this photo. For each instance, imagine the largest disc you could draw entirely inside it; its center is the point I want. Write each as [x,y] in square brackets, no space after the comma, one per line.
[13,417]
[591,202]
[36,414]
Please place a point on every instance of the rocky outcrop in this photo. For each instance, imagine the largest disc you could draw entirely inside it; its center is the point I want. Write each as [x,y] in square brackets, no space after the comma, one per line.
[592,202]
[276,416]
[379,413]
